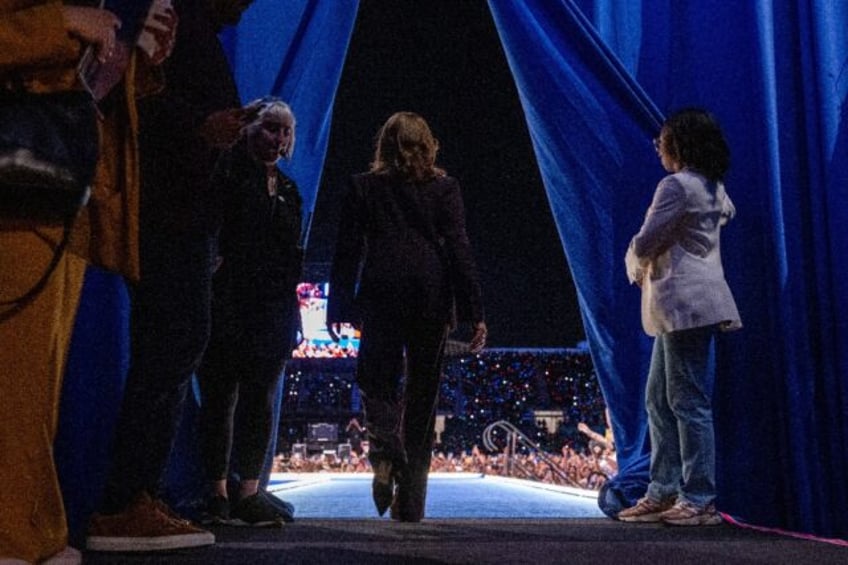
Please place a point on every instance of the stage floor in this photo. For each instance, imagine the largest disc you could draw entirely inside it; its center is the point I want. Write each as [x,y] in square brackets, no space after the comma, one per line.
[449,495]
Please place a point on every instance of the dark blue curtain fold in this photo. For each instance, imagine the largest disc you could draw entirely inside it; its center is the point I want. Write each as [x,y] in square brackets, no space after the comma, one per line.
[591,126]
[296,51]
[776,76]
[91,396]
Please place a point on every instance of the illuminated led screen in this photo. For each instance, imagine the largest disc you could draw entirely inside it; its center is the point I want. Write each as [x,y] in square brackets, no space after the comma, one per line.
[316,342]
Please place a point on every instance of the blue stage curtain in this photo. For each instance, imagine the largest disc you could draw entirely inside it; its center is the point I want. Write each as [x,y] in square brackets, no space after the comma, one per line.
[91,396]
[295,50]
[590,76]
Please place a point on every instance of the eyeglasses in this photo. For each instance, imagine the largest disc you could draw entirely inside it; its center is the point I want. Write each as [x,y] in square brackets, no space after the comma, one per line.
[657,144]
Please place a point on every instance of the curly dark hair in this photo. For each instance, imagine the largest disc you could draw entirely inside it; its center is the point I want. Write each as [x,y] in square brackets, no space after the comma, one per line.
[693,138]
[405,146]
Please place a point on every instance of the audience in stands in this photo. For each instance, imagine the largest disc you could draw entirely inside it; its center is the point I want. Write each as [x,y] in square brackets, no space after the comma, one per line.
[475,392]
[584,470]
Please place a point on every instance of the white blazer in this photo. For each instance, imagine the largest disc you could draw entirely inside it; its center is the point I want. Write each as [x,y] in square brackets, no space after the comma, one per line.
[676,256]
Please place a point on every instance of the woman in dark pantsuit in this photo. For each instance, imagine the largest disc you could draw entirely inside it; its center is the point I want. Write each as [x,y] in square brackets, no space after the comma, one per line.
[403,272]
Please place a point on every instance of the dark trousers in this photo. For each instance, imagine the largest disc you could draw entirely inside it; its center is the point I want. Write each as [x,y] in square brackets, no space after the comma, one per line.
[238,391]
[170,326]
[398,374]
[251,340]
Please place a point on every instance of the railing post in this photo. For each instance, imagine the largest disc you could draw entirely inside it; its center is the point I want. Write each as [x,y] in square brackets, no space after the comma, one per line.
[513,438]
[507,459]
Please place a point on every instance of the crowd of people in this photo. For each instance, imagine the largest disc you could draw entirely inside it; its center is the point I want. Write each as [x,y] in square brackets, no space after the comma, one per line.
[475,391]
[513,385]
[587,469]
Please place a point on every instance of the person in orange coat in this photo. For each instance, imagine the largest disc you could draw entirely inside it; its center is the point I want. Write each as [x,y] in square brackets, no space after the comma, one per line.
[40,45]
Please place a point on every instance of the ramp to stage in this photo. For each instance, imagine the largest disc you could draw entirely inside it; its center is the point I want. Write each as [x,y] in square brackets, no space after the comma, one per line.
[449,495]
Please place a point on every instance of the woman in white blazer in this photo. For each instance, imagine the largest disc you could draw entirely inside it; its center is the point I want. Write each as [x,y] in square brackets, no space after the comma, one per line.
[676,260]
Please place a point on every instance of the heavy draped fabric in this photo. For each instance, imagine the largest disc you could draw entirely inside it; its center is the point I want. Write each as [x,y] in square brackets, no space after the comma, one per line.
[590,75]
[295,50]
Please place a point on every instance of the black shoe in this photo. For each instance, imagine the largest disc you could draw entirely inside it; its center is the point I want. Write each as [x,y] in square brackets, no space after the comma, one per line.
[410,495]
[406,508]
[399,515]
[256,511]
[286,509]
[383,486]
[217,511]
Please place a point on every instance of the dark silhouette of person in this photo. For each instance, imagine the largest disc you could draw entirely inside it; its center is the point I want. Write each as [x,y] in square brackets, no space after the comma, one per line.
[183,129]
[355,431]
[417,277]
[254,312]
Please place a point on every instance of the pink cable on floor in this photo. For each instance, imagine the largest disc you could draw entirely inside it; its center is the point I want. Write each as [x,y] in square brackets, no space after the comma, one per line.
[731,520]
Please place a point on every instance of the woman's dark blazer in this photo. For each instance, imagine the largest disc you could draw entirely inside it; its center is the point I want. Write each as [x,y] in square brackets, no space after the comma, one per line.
[402,250]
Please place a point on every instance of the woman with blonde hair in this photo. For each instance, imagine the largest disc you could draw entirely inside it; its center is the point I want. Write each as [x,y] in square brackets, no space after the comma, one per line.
[403,272]
[254,308]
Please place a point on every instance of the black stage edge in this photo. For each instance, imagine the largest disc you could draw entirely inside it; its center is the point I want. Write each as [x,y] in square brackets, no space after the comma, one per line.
[571,541]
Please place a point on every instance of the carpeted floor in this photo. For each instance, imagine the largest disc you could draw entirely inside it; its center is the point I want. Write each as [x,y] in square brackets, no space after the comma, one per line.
[477,520]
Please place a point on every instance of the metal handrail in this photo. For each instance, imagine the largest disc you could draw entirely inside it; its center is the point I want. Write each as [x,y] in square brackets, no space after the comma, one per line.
[516,436]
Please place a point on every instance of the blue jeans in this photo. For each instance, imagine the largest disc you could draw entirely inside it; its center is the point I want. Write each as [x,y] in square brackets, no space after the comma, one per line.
[680,417]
